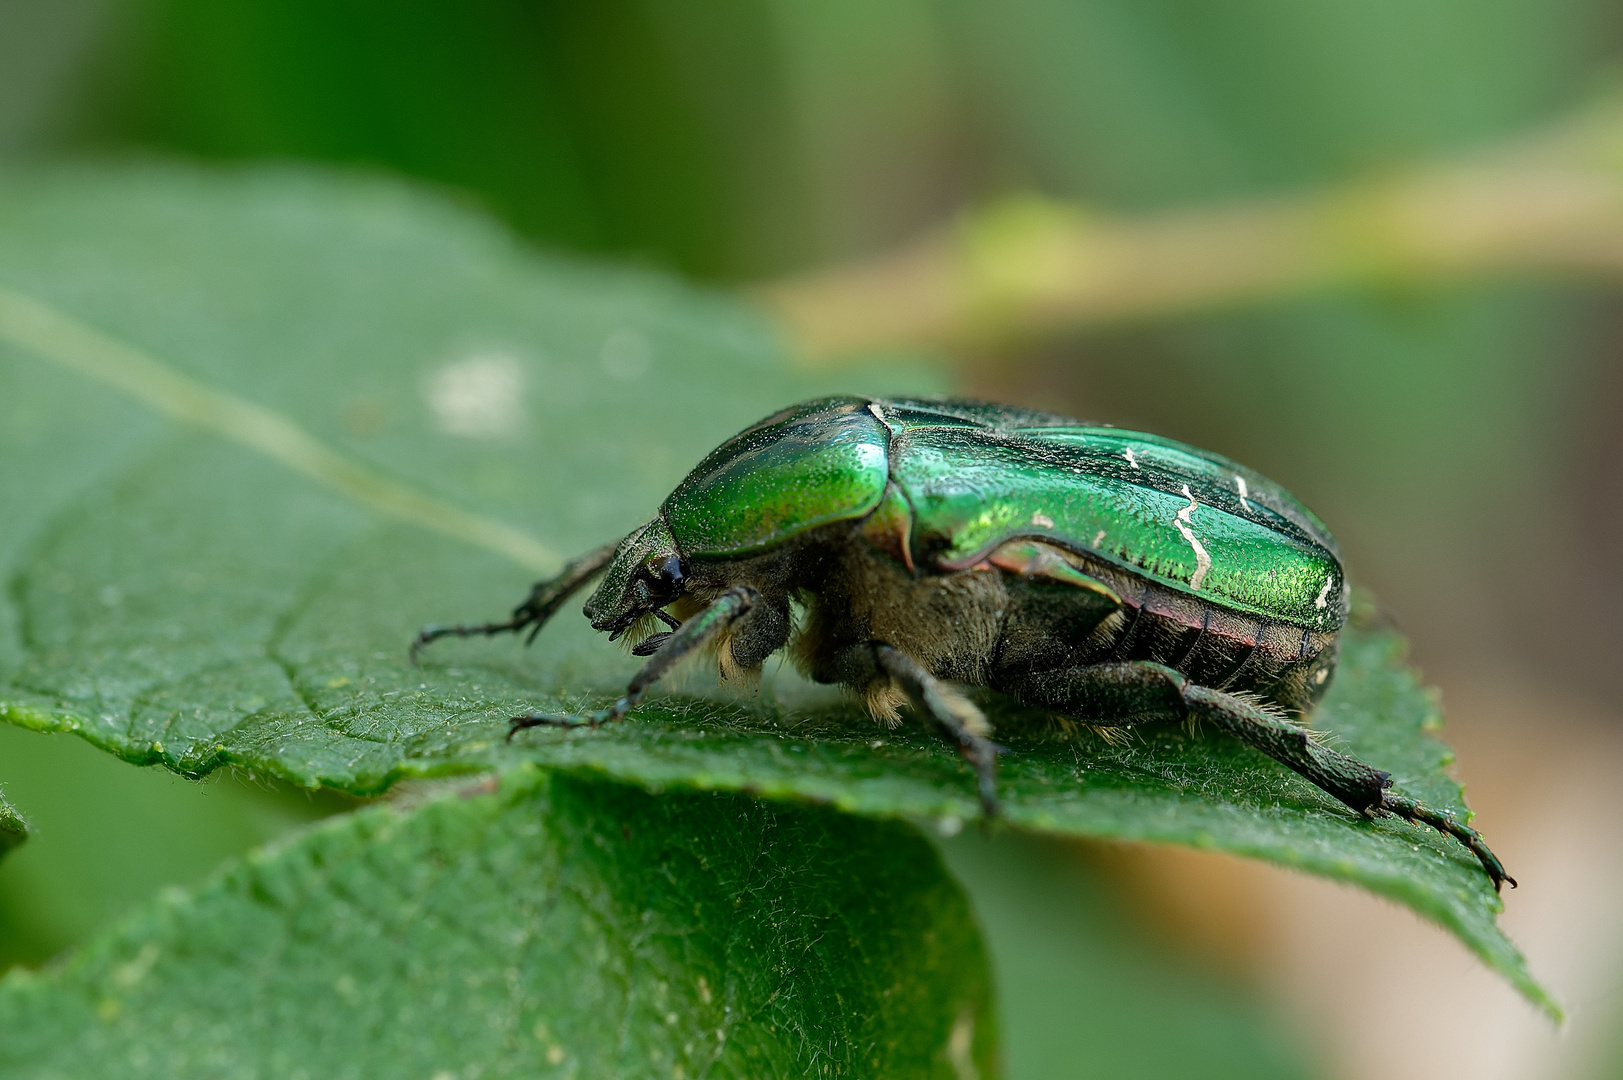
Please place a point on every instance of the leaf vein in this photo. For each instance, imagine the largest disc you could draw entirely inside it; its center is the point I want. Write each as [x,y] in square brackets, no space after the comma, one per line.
[58,337]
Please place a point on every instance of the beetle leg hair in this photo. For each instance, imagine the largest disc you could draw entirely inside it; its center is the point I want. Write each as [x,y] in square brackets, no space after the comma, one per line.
[694,635]
[545,598]
[1141,690]
[957,716]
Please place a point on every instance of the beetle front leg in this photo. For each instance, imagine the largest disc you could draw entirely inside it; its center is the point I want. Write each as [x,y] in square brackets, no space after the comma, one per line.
[692,636]
[545,598]
[957,716]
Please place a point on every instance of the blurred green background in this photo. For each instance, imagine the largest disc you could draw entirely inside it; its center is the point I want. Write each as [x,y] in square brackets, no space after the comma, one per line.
[1462,439]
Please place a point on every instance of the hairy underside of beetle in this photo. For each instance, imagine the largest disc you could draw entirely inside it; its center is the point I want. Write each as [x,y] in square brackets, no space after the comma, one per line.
[988,625]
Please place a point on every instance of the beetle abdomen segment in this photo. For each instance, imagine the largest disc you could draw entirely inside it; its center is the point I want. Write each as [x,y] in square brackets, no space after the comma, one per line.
[1068,611]
[1209,644]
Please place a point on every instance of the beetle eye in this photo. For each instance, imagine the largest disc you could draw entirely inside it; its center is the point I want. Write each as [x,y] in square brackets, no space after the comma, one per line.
[659,580]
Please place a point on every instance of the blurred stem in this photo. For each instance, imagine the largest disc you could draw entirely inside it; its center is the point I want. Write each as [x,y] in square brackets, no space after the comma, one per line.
[1018,269]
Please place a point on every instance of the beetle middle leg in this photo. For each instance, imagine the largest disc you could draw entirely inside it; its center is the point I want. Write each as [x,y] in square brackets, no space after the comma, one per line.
[692,636]
[955,714]
[1135,691]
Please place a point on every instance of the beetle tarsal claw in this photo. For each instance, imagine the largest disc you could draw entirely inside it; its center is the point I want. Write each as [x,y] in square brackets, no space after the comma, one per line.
[567,720]
[1444,822]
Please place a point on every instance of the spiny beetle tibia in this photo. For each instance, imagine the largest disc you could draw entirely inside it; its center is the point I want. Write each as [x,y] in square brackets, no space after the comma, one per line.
[1110,575]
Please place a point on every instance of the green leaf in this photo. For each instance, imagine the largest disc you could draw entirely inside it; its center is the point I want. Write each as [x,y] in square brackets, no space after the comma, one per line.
[13,829]
[1083,977]
[536,925]
[104,837]
[380,413]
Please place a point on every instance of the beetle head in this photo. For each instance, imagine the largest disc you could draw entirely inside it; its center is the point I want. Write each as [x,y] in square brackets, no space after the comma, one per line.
[647,573]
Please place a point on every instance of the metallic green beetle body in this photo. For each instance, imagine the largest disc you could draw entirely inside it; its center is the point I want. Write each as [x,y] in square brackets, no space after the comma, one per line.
[1212,569]
[973,476]
[1113,576]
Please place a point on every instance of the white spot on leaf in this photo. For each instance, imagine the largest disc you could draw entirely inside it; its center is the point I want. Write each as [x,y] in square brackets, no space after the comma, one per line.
[480,396]
[131,972]
[626,355]
[1203,561]
[961,1045]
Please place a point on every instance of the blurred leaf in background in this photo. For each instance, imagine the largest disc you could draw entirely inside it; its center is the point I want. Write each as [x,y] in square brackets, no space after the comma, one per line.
[527,105]
[1086,989]
[1156,103]
[727,141]
[107,836]
[591,126]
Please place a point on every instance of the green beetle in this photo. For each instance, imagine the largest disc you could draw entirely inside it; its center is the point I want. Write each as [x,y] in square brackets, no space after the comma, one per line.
[1110,575]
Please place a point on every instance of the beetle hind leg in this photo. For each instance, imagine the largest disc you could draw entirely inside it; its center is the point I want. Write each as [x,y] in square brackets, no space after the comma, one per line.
[1130,692]
[957,717]
[1444,822]
[1358,785]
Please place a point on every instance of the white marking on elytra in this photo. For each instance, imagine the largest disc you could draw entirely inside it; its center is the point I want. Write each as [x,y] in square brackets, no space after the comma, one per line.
[1131,460]
[1042,521]
[1203,561]
[1324,594]
[1239,483]
[1098,538]
[873,407]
